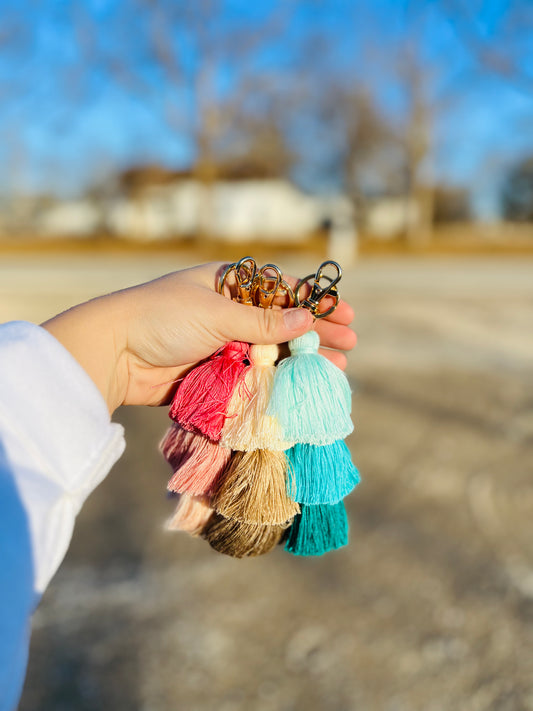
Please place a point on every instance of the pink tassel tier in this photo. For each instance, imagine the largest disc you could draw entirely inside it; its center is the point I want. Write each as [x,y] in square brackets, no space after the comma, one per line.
[202,398]
[196,461]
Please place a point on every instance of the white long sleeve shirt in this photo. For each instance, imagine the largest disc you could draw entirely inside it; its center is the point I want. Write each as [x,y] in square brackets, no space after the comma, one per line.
[56,445]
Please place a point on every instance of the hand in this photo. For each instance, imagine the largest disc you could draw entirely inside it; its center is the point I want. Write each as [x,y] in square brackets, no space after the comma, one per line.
[136,343]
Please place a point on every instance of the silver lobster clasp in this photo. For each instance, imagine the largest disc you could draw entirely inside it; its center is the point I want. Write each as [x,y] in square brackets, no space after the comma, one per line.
[318,291]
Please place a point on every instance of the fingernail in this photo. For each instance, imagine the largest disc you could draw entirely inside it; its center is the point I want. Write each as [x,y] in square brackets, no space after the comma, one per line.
[295,319]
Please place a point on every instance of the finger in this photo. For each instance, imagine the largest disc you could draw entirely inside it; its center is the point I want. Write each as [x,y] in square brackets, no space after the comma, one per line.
[237,322]
[335,335]
[336,357]
[343,314]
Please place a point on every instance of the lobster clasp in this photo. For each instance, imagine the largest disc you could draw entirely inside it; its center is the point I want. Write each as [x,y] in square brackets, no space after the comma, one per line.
[320,292]
[266,285]
[245,271]
[270,285]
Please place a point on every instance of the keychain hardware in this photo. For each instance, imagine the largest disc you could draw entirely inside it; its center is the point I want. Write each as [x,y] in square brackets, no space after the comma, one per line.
[268,285]
[245,271]
[319,292]
[257,287]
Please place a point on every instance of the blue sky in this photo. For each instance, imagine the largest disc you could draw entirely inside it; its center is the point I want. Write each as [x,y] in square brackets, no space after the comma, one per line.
[71,114]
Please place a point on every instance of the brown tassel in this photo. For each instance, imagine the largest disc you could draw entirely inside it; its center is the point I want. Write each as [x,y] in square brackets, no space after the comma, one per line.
[253,489]
[241,540]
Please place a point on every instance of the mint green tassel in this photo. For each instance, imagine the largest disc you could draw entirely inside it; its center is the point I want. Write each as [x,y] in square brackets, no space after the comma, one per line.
[311,397]
[318,529]
[320,475]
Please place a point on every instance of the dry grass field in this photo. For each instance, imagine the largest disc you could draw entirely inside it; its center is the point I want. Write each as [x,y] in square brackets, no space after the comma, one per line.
[430,607]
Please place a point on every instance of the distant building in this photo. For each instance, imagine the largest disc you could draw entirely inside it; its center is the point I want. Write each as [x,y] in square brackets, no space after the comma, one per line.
[230,210]
[387,218]
[71,218]
[154,204]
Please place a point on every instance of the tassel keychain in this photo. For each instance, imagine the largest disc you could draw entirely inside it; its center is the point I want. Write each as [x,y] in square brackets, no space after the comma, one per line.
[252,491]
[289,468]
[198,409]
[319,463]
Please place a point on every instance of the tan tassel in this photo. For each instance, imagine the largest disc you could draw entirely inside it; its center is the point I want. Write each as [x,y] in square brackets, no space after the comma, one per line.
[241,540]
[247,426]
[253,489]
[191,515]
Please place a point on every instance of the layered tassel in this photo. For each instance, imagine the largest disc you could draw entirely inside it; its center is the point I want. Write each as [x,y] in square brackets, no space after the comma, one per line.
[311,398]
[202,398]
[318,529]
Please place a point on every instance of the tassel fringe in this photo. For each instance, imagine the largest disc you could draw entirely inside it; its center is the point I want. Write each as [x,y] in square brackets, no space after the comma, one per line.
[201,400]
[318,529]
[247,426]
[197,462]
[191,515]
[253,489]
[321,475]
[241,540]
[311,397]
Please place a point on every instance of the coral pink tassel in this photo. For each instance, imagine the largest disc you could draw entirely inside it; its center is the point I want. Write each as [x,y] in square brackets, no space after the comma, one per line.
[196,461]
[201,400]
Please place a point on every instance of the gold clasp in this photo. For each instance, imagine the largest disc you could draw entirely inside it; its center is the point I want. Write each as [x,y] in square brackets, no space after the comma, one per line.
[245,274]
[269,284]
[319,292]
[266,285]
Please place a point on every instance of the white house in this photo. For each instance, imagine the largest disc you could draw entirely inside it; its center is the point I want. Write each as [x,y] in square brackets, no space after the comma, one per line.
[72,218]
[233,211]
[389,217]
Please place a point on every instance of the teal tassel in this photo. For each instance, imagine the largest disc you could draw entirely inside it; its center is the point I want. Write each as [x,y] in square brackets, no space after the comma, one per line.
[318,529]
[321,475]
[311,397]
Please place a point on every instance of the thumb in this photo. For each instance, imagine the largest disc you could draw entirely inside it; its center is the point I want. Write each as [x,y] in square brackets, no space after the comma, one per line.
[264,326]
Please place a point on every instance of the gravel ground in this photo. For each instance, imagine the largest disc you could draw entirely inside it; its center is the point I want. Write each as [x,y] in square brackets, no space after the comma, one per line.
[429,608]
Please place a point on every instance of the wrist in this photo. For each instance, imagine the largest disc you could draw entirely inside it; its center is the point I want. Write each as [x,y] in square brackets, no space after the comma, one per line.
[94,334]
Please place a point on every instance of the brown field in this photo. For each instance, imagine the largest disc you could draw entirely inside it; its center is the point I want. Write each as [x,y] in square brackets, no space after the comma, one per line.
[455,239]
[430,607]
